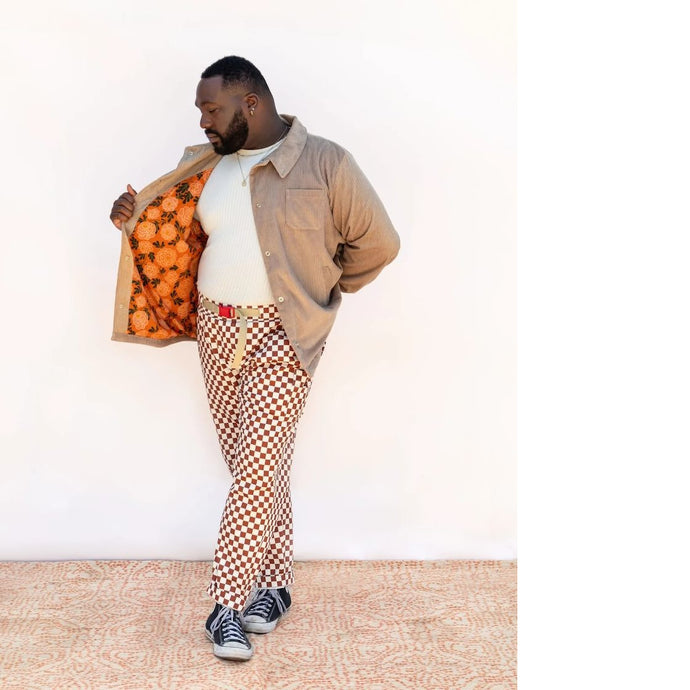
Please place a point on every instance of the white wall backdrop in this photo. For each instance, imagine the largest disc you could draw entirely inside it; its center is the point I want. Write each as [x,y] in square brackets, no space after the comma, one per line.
[407,445]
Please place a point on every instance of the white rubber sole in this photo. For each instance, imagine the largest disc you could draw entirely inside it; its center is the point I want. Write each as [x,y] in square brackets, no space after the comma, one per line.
[237,653]
[261,627]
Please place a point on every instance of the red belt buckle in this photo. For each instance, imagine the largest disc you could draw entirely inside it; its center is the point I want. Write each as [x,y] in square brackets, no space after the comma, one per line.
[226,310]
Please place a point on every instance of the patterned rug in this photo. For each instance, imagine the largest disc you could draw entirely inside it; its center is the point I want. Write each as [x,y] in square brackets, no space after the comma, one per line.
[365,625]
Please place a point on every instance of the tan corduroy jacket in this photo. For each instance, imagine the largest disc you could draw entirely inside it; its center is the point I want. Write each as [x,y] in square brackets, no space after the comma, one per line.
[321,227]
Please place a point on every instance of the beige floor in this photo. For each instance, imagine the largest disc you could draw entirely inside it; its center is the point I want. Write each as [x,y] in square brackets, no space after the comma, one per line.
[369,625]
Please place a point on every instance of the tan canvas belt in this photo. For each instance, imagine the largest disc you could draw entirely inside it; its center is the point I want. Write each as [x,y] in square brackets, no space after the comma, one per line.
[231,312]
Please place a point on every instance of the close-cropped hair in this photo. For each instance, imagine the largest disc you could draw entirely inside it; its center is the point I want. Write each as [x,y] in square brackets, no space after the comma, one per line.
[237,70]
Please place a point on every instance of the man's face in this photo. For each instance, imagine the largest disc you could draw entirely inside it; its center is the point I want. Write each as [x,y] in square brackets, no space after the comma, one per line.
[222,118]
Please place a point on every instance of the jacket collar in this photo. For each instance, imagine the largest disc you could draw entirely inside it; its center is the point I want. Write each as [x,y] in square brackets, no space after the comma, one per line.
[286,155]
[283,158]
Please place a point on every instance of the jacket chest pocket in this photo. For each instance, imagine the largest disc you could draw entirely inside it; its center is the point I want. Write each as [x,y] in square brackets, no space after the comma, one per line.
[305,209]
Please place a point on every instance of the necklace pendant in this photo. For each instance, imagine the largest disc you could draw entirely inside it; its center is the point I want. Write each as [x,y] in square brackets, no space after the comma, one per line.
[244,183]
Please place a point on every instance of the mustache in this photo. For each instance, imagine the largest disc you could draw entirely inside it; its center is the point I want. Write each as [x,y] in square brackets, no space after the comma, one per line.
[211,131]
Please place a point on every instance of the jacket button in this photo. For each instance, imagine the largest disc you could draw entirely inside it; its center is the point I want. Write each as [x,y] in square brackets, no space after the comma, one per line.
[268,253]
[258,205]
[281,299]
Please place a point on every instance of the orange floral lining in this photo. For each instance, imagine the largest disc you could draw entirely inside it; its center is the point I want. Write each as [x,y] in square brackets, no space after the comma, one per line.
[166,245]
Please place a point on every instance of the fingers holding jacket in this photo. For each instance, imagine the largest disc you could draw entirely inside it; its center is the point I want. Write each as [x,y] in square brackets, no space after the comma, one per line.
[123,207]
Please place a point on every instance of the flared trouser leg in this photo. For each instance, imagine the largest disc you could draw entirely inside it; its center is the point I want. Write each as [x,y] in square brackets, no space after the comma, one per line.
[255,410]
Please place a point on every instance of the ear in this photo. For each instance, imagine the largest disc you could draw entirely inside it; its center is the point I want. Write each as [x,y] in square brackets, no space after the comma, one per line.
[251,100]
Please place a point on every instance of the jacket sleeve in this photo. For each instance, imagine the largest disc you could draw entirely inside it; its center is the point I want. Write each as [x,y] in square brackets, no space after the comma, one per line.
[370,241]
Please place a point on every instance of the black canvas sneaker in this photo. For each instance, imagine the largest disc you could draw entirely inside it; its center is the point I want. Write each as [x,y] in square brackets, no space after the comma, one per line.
[224,629]
[266,609]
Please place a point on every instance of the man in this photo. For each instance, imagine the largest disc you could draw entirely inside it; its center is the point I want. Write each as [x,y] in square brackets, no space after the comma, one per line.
[246,247]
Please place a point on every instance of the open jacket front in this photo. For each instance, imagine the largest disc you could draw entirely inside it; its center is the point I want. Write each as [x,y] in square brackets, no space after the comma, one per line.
[321,228]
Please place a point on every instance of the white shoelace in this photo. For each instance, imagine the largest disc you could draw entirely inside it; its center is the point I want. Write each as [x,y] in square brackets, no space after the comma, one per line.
[261,606]
[229,620]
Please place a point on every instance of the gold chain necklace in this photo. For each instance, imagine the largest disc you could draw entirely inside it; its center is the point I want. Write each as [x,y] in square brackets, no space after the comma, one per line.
[244,179]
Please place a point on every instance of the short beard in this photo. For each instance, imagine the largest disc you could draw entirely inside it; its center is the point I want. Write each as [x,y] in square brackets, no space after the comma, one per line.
[234,137]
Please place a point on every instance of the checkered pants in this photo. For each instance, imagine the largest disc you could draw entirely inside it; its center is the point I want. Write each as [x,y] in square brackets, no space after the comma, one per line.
[255,409]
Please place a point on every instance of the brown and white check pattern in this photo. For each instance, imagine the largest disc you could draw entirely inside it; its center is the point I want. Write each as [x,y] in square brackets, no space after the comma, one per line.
[255,410]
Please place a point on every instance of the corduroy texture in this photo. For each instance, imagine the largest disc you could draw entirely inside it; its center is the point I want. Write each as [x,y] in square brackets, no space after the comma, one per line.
[365,625]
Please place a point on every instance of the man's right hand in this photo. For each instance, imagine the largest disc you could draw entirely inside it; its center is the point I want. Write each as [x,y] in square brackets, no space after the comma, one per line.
[123,207]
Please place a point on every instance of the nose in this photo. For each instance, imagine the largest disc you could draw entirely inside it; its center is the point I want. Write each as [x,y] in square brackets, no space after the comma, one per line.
[205,122]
